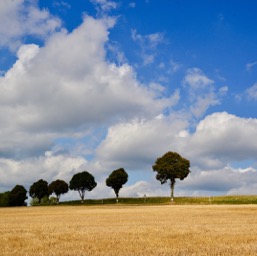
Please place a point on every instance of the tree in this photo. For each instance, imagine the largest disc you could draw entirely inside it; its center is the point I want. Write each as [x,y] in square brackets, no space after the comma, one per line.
[18,195]
[39,190]
[82,182]
[5,199]
[58,187]
[171,166]
[116,180]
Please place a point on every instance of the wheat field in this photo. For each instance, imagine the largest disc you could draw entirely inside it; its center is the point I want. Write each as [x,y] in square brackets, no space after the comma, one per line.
[129,230]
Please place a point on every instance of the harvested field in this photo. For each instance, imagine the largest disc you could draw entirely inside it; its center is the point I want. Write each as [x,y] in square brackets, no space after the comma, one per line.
[129,230]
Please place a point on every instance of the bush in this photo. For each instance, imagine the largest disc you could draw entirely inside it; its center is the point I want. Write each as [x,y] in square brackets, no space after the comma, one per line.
[34,202]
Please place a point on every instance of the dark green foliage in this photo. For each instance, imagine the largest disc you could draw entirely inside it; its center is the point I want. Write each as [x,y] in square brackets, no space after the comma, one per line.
[58,187]
[116,180]
[171,166]
[18,195]
[82,182]
[39,190]
[5,199]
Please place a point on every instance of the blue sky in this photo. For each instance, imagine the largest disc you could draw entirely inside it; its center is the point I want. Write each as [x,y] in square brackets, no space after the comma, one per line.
[98,85]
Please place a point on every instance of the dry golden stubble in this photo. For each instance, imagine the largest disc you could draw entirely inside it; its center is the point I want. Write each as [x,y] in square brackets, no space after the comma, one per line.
[129,230]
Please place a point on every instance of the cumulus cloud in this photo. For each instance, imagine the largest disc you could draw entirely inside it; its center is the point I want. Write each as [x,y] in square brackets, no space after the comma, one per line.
[66,85]
[19,18]
[224,138]
[135,145]
[146,189]
[66,89]
[222,181]
[219,139]
[48,167]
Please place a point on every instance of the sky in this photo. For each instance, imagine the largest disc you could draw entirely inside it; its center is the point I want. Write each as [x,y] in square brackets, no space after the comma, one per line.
[97,85]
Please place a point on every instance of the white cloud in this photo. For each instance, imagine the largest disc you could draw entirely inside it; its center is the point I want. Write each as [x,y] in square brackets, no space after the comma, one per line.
[225,181]
[196,79]
[158,88]
[150,41]
[219,139]
[223,90]
[136,145]
[62,5]
[249,66]
[148,45]
[148,59]
[223,138]
[146,188]
[115,52]
[19,18]
[48,167]
[67,85]
[202,103]
[104,6]
[174,66]
[252,92]
[59,90]
[201,91]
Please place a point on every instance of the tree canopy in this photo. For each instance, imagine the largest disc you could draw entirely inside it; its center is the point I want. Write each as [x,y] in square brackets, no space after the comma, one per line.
[5,199]
[82,182]
[39,189]
[58,187]
[17,196]
[171,166]
[116,180]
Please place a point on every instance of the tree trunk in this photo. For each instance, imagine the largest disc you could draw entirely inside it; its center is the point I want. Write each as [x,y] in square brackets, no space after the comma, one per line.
[172,185]
[116,191]
[82,195]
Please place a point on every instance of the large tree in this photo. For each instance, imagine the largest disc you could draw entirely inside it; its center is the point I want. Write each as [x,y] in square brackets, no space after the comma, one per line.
[116,180]
[171,166]
[18,195]
[58,187]
[39,189]
[82,182]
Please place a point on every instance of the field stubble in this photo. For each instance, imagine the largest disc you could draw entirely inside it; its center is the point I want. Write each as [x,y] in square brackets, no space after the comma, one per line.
[129,230]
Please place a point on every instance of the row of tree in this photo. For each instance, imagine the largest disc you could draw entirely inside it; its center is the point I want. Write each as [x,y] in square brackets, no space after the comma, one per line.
[81,182]
[169,167]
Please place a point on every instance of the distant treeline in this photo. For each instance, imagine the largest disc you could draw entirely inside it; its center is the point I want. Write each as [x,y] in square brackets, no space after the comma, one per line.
[40,191]
[169,167]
